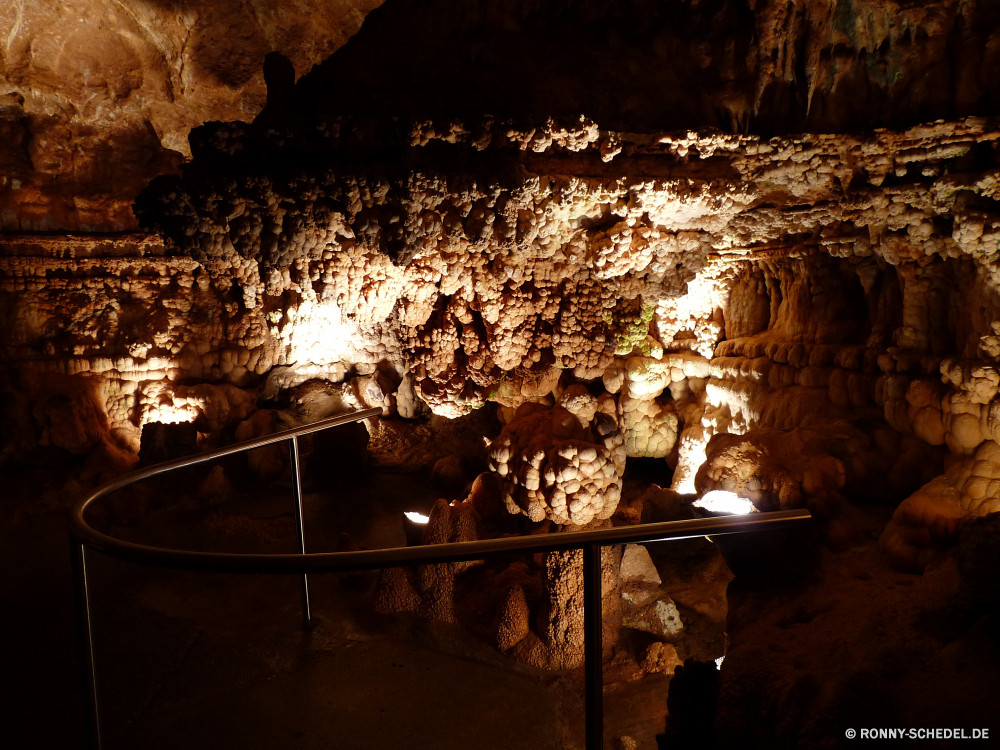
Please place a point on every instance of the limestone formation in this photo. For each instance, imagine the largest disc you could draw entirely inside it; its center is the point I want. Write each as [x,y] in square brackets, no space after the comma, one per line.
[660,658]
[394,592]
[553,466]
[97,97]
[736,307]
[926,521]
[436,583]
[558,642]
[572,246]
[514,620]
[650,426]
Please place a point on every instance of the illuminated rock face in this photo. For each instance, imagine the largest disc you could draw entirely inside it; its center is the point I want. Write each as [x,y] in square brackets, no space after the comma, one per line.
[805,320]
[834,286]
[481,274]
[554,465]
[97,97]
[558,644]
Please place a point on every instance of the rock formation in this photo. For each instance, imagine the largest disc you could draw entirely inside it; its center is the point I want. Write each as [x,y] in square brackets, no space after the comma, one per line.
[729,305]
[97,97]
[553,466]
[766,255]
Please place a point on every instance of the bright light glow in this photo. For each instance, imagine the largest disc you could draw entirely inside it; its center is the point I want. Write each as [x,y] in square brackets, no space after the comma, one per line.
[723,501]
[318,333]
[158,402]
[718,662]
[416,517]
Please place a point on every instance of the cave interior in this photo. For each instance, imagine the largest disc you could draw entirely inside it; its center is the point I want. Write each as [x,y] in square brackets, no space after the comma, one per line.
[598,263]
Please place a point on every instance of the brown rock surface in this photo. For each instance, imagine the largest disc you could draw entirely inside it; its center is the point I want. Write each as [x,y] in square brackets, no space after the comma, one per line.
[854,644]
[553,467]
[842,282]
[97,97]
[802,307]
[766,67]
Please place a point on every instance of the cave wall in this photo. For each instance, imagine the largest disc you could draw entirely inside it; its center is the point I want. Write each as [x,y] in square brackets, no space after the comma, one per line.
[706,283]
[97,97]
[757,66]
[758,241]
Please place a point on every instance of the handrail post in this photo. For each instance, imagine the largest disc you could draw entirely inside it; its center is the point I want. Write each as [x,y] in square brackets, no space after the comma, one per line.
[299,527]
[593,647]
[85,643]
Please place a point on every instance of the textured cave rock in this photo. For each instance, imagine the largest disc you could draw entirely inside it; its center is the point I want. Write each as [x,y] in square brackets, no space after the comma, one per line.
[97,97]
[557,466]
[756,243]
[767,255]
[558,641]
[758,66]
[693,284]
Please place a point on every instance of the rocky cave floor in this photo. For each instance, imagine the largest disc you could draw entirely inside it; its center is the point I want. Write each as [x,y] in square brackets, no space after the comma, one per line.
[207,660]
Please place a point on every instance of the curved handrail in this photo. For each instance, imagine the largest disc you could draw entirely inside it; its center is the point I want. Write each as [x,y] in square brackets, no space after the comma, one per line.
[332,562]
[303,563]
[80,529]
[391,557]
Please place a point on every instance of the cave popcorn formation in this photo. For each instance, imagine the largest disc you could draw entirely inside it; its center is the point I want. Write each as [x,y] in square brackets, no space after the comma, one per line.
[554,466]
[566,323]
[800,303]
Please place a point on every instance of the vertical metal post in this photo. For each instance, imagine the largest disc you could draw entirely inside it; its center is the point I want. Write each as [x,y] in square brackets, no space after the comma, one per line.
[593,646]
[85,643]
[299,528]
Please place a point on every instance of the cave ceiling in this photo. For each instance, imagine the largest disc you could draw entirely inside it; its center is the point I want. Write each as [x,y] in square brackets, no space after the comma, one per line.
[98,97]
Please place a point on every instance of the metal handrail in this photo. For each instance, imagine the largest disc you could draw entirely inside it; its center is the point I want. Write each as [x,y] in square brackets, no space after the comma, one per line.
[83,536]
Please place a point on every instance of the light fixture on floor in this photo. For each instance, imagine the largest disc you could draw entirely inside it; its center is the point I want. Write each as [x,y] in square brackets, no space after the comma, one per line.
[723,501]
[413,526]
